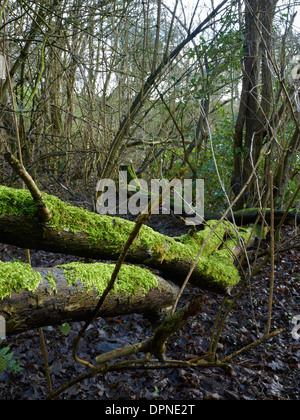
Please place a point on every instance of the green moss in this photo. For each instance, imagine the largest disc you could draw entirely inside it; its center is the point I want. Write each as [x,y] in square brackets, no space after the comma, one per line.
[51,280]
[66,217]
[99,229]
[131,280]
[294,211]
[217,260]
[196,240]
[17,276]
[249,211]
[16,202]
[113,233]
[220,268]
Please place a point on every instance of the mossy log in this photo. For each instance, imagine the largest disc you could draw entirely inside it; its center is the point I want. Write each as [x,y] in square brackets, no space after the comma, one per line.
[52,296]
[76,231]
[240,218]
[249,216]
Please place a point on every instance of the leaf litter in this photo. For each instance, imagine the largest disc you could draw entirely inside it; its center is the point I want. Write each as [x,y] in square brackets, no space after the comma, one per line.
[268,372]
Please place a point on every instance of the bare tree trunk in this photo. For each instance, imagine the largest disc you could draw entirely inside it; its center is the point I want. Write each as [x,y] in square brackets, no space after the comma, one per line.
[251,125]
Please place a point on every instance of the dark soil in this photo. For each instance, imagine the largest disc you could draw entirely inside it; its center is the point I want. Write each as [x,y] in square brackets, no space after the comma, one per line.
[267,372]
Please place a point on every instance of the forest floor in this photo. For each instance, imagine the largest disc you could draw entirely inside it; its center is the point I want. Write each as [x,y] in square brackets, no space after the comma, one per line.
[268,372]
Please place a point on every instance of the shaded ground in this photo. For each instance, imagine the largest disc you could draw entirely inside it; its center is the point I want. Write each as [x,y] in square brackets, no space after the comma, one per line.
[270,371]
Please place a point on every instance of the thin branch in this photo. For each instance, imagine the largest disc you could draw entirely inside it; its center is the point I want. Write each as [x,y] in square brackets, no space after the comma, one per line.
[43,211]
[45,358]
[140,98]
[272,247]
[264,339]
[156,45]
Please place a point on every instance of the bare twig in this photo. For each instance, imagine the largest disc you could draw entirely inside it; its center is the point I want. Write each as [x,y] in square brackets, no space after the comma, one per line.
[256,343]
[272,246]
[45,358]
[18,167]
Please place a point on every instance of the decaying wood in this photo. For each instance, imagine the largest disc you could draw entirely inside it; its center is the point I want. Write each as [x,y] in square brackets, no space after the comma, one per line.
[249,216]
[28,310]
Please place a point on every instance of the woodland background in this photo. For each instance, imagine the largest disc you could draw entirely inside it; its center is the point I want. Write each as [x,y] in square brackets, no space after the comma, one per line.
[201,89]
[100,83]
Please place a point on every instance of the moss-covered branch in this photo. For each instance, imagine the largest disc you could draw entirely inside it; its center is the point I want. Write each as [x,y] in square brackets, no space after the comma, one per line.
[76,231]
[172,324]
[32,298]
[17,166]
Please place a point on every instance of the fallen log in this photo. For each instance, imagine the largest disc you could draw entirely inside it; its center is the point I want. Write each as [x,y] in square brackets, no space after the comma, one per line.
[33,298]
[249,216]
[76,231]
[241,218]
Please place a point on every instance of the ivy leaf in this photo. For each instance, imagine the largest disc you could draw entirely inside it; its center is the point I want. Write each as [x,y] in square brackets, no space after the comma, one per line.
[65,329]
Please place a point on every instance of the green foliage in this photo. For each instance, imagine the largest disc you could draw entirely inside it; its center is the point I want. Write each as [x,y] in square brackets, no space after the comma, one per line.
[204,165]
[222,57]
[65,328]
[6,360]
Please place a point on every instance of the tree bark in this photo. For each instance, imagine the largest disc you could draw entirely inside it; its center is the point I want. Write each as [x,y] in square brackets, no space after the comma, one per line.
[252,120]
[283,174]
[173,257]
[249,216]
[29,310]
